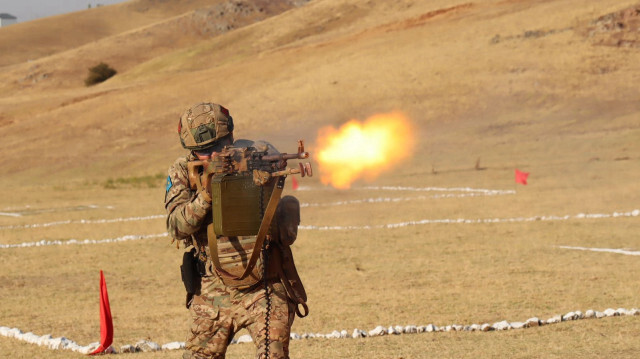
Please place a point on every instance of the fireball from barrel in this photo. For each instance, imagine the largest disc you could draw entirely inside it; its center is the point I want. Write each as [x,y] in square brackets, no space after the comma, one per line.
[363,150]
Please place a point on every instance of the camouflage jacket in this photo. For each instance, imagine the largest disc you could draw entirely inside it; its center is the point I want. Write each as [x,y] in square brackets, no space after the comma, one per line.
[188,213]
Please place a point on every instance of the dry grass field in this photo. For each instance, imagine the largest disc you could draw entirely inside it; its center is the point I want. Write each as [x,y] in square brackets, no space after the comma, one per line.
[548,87]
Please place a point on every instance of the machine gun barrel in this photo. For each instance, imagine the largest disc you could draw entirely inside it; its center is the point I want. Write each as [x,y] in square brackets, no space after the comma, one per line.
[285,156]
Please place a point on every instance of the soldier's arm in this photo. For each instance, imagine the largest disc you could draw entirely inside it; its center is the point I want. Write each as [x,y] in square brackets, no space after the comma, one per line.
[186,210]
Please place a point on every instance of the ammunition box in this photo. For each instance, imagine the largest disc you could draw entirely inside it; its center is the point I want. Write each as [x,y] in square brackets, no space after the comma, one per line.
[238,204]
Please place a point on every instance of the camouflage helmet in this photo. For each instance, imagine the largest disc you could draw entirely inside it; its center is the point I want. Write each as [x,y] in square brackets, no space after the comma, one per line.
[204,124]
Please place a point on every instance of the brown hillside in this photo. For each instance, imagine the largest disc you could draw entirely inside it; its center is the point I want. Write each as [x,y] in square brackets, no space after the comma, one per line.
[126,49]
[478,77]
[43,37]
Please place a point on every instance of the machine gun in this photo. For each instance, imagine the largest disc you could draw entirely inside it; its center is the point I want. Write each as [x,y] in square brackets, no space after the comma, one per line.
[247,160]
[241,181]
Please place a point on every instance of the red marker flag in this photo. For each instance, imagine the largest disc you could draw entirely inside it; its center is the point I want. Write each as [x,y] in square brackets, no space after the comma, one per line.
[294,183]
[106,323]
[521,177]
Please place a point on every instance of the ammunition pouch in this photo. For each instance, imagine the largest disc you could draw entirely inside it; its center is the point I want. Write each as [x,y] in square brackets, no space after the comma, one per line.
[232,255]
[192,271]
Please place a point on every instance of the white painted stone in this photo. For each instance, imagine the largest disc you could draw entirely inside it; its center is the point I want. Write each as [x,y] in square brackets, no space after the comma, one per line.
[55,343]
[344,334]
[635,212]
[357,333]
[628,312]
[44,340]
[147,346]
[410,329]
[517,325]
[398,329]
[476,327]
[589,313]
[127,349]
[621,311]
[89,348]
[378,331]
[486,327]
[333,335]
[635,311]
[173,346]
[569,316]
[320,335]
[555,319]
[66,343]
[532,322]
[610,312]
[457,328]
[294,336]
[467,328]
[30,338]
[447,328]
[503,325]
[579,314]
[421,329]
[392,330]
[14,332]
[600,315]
[430,328]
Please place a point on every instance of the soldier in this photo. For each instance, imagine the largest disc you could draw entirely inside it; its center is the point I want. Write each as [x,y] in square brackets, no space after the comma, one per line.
[267,308]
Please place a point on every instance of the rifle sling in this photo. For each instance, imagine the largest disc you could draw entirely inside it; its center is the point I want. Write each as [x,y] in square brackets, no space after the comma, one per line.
[262,233]
[291,293]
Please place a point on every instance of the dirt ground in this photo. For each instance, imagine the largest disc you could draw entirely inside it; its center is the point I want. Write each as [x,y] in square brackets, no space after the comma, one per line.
[548,87]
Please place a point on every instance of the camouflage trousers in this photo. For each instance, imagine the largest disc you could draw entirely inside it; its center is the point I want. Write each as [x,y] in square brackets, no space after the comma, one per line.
[219,312]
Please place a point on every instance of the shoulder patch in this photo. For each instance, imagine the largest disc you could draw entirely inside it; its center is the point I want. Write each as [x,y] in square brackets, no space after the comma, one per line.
[169,183]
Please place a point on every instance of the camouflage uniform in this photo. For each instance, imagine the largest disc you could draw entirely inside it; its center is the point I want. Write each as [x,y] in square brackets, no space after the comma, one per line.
[219,311]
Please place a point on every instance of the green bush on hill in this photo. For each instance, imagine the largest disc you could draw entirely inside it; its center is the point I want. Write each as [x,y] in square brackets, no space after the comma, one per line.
[99,73]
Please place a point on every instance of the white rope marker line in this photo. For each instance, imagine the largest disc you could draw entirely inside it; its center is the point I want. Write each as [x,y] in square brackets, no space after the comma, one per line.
[133,237]
[329,204]
[396,199]
[84,221]
[42,243]
[470,192]
[10,214]
[439,189]
[609,250]
[633,213]
[146,345]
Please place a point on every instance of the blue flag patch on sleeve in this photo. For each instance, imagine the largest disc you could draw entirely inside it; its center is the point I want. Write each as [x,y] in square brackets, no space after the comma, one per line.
[169,183]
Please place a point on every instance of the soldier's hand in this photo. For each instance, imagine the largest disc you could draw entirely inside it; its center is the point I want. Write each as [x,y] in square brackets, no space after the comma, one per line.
[205,195]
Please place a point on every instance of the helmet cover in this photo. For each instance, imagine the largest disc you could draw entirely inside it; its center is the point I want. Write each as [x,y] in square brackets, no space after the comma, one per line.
[203,124]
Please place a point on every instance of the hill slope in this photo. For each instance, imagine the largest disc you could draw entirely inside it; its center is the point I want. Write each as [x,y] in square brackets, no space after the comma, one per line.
[478,77]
